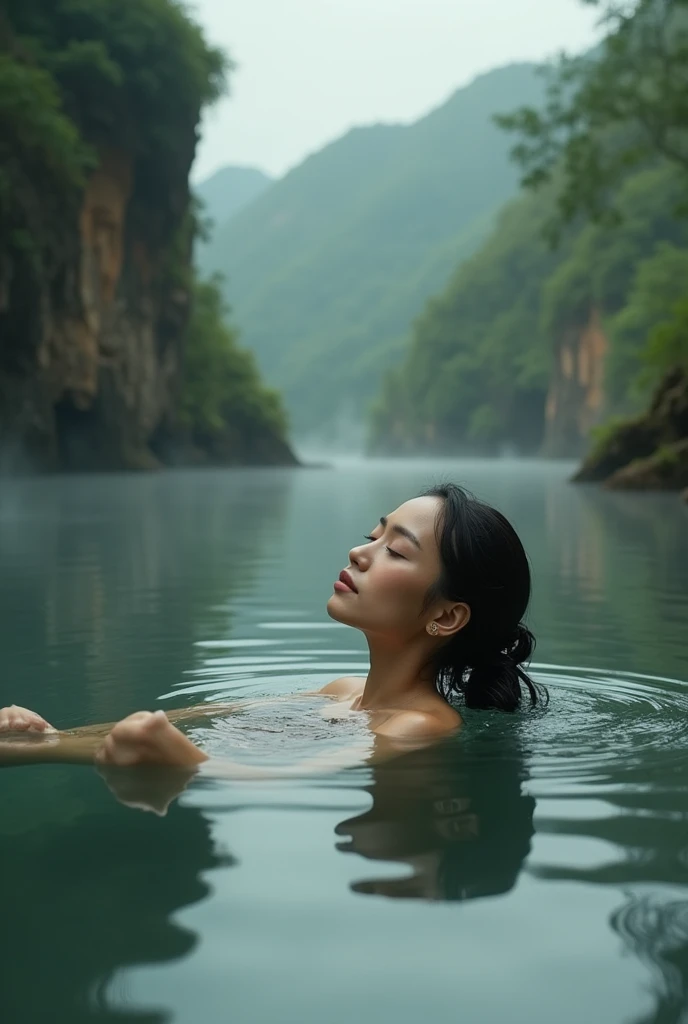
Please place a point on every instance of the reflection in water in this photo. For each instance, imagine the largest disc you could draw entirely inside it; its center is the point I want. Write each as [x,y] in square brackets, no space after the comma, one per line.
[610,583]
[107,583]
[642,789]
[459,822]
[656,930]
[86,898]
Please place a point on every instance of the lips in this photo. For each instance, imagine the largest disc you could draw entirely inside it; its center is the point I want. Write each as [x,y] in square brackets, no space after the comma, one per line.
[346,578]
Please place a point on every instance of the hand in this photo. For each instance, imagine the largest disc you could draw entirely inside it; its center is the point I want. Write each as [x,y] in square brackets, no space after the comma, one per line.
[147,738]
[16,719]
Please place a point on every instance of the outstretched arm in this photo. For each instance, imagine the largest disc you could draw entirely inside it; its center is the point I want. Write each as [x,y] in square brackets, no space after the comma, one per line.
[130,762]
[150,739]
[19,725]
[22,720]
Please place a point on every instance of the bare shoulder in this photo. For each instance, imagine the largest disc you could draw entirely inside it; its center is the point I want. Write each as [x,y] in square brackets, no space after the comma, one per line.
[344,688]
[420,725]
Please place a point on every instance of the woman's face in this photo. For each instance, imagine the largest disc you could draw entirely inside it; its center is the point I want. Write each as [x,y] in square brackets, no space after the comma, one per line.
[384,586]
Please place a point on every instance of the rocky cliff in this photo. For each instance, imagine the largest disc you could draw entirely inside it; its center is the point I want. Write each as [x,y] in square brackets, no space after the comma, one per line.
[90,355]
[649,452]
[576,396]
[99,108]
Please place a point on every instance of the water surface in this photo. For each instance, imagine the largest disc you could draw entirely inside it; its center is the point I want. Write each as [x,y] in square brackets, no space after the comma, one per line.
[533,869]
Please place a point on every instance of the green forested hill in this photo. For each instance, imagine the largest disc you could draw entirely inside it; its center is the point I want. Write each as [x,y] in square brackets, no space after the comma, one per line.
[480,363]
[531,346]
[326,269]
[229,190]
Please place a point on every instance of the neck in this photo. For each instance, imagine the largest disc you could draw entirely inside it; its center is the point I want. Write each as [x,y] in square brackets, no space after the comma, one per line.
[398,672]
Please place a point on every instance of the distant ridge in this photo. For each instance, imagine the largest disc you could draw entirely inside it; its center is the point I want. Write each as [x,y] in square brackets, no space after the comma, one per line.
[229,190]
[328,267]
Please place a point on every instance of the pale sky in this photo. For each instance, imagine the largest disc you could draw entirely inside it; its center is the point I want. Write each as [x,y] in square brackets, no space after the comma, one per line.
[308,70]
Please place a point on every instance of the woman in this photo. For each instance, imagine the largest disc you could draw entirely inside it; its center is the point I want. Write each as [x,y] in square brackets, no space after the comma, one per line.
[439,590]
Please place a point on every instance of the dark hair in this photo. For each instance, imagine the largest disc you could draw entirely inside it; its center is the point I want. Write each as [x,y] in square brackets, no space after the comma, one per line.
[485,566]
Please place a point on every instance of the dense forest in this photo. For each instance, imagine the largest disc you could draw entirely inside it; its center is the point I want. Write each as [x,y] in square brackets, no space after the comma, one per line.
[106,339]
[574,310]
[485,354]
[327,267]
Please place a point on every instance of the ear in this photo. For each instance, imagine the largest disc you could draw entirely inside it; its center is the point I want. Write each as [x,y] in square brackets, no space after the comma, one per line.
[453,619]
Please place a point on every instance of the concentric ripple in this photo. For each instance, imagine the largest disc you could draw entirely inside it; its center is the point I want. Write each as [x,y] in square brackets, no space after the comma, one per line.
[604,726]
[609,728]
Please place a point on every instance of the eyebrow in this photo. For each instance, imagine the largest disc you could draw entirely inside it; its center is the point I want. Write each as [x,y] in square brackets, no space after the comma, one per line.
[402,530]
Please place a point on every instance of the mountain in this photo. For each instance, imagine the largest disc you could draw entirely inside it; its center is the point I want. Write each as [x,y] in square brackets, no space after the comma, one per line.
[229,190]
[530,348]
[326,270]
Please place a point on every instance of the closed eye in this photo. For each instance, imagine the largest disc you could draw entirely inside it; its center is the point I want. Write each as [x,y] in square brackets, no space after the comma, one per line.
[394,554]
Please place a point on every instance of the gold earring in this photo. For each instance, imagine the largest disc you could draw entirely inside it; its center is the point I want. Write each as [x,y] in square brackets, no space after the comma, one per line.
[433,629]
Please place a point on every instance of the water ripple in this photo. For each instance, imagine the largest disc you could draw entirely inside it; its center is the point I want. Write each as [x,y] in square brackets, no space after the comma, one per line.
[604,725]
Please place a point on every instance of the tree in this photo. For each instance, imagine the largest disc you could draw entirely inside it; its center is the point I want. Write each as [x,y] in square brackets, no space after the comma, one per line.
[223,391]
[619,108]
[651,327]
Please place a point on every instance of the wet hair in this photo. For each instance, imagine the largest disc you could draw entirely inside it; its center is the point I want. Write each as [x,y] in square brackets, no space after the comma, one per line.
[484,565]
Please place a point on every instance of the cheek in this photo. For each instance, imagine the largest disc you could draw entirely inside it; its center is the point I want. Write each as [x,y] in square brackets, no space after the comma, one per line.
[399,585]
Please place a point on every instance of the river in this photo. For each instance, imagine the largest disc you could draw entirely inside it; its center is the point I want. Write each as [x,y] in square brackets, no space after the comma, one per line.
[533,869]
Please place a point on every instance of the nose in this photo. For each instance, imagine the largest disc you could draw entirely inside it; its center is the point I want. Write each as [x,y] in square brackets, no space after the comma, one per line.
[359,558]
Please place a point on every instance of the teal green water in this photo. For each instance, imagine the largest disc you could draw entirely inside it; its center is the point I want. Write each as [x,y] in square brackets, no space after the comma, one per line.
[534,869]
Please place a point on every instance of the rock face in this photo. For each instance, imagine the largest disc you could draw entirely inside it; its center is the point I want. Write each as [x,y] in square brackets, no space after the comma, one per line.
[666,470]
[576,396]
[231,447]
[91,352]
[650,452]
[97,340]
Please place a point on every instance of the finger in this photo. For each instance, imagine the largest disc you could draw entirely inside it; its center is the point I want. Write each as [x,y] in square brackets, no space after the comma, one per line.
[25,723]
[21,719]
[39,725]
[18,722]
[7,717]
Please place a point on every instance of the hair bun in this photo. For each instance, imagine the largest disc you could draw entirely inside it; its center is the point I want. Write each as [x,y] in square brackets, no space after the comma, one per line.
[495,679]
[521,645]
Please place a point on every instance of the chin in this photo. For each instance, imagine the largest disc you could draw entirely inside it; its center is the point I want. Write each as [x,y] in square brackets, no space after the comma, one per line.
[332,610]
[336,609]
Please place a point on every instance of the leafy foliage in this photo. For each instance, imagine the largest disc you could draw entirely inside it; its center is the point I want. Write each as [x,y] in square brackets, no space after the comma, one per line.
[43,162]
[610,112]
[222,386]
[668,342]
[131,72]
[77,75]
[639,331]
